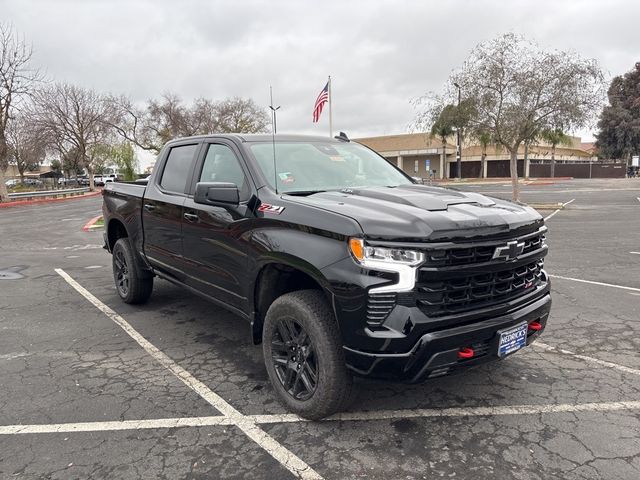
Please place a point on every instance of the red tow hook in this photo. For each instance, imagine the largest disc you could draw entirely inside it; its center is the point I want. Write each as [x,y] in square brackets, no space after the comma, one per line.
[466,352]
[535,326]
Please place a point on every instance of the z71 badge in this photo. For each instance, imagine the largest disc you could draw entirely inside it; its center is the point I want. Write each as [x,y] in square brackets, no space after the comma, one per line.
[273,209]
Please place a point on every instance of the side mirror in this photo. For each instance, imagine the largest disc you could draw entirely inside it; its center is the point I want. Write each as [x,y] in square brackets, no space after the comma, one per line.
[217,193]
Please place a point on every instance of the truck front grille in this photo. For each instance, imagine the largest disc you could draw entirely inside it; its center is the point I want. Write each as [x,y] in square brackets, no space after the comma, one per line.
[468,292]
[479,253]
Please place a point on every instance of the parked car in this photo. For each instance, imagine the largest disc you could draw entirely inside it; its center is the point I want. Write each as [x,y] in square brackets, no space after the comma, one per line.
[101,180]
[340,262]
[34,182]
[12,182]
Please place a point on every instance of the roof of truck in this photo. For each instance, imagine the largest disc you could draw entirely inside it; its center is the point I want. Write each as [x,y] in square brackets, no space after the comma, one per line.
[262,137]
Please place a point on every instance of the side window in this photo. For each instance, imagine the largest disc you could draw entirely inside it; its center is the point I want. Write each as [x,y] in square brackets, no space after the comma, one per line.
[221,165]
[176,169]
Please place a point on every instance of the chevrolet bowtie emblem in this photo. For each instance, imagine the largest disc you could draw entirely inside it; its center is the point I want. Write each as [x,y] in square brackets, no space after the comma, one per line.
[509,252]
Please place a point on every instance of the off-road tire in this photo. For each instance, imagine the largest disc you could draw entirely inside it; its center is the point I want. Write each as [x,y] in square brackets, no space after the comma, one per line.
[334,386]
[139,284]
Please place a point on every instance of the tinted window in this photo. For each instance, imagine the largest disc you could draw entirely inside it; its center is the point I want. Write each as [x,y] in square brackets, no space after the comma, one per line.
[174,176]
[221,165]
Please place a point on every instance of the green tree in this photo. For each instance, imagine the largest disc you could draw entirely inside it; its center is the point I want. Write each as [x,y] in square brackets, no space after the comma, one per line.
[555,137]
[72,163]
[619,125]
[56,165]
[126,160]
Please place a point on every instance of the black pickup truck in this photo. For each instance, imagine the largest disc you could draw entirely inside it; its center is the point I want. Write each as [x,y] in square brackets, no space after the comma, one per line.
[340,262]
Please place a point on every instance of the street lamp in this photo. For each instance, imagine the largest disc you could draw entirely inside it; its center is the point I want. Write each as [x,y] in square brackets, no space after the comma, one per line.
[458,146]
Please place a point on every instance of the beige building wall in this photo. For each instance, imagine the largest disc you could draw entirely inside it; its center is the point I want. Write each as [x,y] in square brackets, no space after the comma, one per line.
[420,146]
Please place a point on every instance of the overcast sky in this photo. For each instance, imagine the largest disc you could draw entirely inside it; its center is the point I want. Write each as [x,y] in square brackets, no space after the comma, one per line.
[379,54]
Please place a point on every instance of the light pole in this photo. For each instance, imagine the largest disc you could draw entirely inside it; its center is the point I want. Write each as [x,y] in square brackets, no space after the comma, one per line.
[458,146]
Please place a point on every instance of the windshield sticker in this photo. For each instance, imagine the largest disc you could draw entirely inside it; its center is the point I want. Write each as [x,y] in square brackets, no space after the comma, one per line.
[287,177]
[337,158]
[273,209]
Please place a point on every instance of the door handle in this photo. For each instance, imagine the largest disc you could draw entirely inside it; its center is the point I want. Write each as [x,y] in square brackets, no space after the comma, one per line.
[149,208]
[192,217]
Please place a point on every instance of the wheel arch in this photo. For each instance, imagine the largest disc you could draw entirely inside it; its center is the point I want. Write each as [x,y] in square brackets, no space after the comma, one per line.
[115,231]
[278,277]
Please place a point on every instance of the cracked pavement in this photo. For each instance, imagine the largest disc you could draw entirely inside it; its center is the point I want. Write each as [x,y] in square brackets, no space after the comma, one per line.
[62,360]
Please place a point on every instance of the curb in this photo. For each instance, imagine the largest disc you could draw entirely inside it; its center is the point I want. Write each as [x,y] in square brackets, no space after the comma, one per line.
[501,180]
[19,203]
[91,224]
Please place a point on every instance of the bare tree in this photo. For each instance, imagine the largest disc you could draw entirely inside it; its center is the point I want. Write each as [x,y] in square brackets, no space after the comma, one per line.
[74,119]
[26,145]
[518,89]
[17,80]
[240,115]
[159,121]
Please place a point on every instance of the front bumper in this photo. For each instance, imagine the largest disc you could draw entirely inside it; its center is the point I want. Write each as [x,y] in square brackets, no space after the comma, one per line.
[436,353]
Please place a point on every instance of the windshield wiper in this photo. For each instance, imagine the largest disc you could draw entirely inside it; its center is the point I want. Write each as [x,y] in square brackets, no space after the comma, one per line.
[303,193]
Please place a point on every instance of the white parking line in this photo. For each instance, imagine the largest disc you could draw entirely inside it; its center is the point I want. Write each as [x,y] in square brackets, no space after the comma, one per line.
[117,425]
[563,205]
[459,412]
[635,253]
[288,460]
[586,358]
[591,282]
[341,417]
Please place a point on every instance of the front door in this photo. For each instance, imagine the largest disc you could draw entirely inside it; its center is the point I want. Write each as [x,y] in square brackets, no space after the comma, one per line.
[214,249]
[162,210]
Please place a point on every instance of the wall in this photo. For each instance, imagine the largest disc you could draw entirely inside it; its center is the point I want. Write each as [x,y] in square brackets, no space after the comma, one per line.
[579,170]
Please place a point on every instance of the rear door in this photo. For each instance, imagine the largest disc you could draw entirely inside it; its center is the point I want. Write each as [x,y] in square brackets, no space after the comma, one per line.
[162,209]
[214,249]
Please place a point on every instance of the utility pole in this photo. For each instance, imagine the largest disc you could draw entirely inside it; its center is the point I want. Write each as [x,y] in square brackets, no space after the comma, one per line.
[458,146]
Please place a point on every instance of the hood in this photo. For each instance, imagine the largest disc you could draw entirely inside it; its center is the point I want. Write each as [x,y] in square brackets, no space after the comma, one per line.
[420,212]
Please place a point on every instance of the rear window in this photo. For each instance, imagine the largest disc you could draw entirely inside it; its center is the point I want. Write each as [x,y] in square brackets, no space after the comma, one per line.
[176,169]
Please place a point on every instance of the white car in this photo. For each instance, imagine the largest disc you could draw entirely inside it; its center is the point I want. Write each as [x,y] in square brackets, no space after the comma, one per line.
[12,183]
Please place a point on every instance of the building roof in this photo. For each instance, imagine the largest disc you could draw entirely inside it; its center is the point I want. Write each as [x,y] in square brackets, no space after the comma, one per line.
[407,141]
[589,147]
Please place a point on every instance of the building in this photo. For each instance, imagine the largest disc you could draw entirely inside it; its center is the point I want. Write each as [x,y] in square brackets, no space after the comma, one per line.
[423,155]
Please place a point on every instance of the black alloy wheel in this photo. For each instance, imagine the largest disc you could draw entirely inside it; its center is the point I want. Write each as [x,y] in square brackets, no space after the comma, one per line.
[133,284]
[121,272]
[294,359]
[304,357]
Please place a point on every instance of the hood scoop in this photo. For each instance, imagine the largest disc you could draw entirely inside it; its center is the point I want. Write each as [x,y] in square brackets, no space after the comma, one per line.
[421,196]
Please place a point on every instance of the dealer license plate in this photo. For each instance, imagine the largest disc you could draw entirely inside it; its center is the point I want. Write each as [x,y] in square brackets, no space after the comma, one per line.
[512,339]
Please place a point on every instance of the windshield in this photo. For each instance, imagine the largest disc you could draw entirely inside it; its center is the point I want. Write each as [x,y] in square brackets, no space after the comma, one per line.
[308,167]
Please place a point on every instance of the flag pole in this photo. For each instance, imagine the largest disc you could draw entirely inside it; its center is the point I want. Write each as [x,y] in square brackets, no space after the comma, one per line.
[330,113]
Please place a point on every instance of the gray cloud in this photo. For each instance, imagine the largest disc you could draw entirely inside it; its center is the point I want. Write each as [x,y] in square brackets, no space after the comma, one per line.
[380,54]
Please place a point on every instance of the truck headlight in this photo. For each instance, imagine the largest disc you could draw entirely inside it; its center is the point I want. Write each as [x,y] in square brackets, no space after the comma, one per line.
[394,260]
[365,253]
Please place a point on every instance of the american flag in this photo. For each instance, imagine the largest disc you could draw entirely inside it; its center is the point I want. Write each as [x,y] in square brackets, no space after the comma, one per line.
[320,101]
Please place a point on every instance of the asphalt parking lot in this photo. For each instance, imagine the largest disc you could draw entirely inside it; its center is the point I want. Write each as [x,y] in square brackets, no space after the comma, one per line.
[93,388]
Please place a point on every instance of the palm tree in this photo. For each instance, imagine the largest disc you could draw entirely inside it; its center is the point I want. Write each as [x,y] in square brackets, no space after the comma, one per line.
[443,128]
[484,139]
[555,137]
